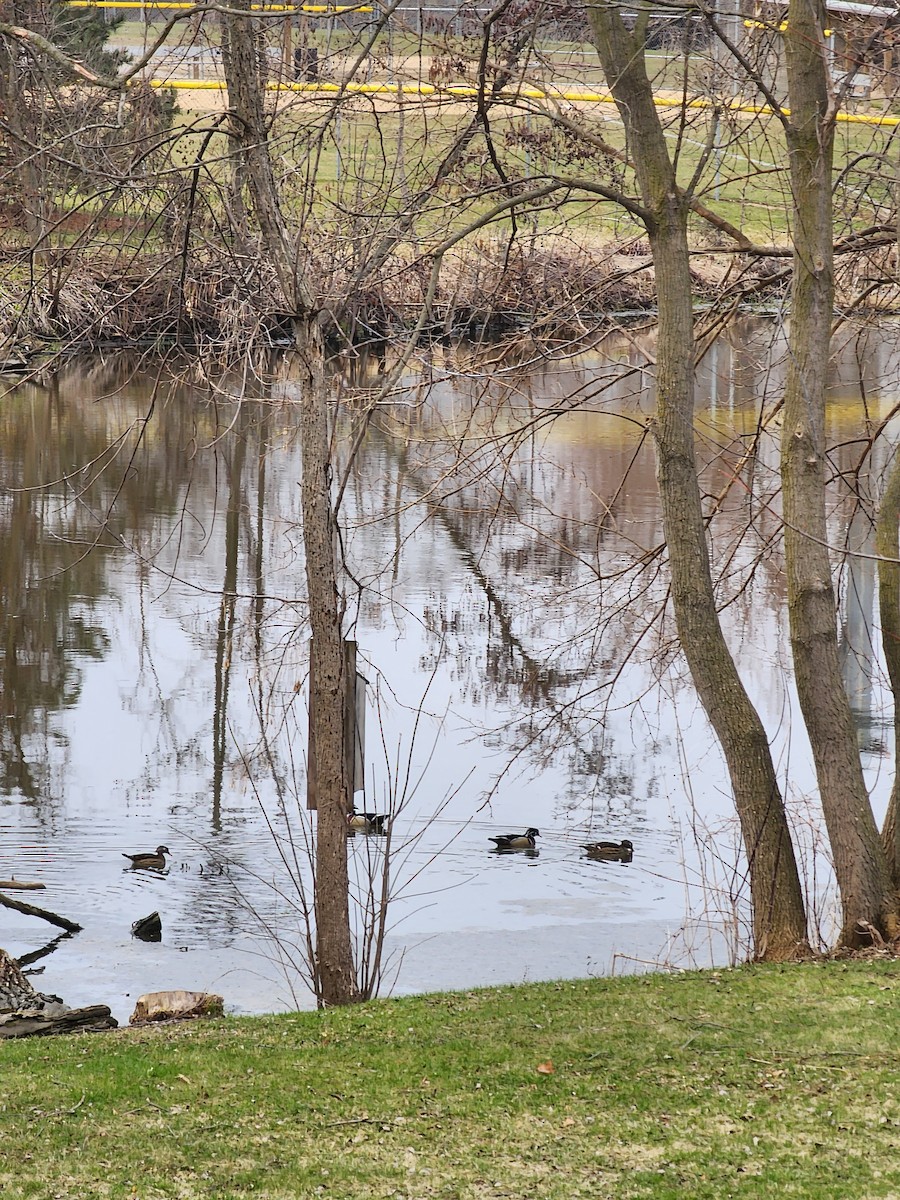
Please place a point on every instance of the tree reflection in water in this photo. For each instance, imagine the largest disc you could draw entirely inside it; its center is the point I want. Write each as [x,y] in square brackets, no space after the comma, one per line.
[502,540]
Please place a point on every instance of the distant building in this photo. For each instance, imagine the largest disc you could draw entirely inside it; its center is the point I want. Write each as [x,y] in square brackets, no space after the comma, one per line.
[862,41]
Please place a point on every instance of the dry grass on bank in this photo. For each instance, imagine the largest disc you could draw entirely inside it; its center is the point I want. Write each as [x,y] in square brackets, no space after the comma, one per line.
[551,287]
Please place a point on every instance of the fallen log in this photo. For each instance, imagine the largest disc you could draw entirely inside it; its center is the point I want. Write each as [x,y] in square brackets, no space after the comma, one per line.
[32,910]
[57,1018]
[27,1013]
[21,885]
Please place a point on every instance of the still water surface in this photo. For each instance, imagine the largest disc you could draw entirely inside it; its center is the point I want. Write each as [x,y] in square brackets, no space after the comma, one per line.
[155,653]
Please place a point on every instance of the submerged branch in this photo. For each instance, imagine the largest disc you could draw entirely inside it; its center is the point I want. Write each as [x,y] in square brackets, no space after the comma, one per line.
[32,910]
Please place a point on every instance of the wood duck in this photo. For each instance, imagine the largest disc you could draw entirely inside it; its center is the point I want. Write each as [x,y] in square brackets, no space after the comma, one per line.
[366,822]
[516,841]
[610,851]
[155,860]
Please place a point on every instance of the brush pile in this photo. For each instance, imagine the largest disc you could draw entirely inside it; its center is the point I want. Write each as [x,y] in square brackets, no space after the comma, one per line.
[549,288]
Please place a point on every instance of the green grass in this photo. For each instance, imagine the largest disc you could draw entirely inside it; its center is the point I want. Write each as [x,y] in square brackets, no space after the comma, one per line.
[749,1083]
[374,159]
[385,158]
[746,182]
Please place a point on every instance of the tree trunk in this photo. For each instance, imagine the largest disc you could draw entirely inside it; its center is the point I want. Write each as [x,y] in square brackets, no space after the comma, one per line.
[888,545]
[779,923]
[18,116]
[241,62]
[15,990]
[859,860]
[333,968]
[334,959]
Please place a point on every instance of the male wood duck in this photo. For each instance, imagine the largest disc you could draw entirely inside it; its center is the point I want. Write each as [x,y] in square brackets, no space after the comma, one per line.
[516,841]
[358,822]
[154,860]
[610,851]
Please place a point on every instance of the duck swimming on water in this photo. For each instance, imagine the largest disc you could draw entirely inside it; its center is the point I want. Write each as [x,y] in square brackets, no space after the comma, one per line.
[155,860]
[366,822]
[610,851]
[516,841]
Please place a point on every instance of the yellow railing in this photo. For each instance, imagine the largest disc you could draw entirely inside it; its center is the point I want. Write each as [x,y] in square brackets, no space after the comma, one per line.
[780,27]
[459,92]
[465,92]
[276,8]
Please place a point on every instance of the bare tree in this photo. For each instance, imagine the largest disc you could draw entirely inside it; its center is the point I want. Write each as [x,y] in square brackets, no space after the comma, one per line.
[334,958]
[859,861]
[778,912]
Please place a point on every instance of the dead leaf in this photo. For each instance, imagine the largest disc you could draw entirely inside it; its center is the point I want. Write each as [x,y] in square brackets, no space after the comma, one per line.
[545,1068]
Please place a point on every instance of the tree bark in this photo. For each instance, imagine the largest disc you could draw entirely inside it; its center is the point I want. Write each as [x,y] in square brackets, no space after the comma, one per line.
[887,540]
[334,959]
[241,62]
[15,990]
[859,861]
[334,974]
[779,924]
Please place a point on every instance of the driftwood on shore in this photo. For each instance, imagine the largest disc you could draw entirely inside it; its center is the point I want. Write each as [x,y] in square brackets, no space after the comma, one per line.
[27,1013]
[175,1005]
[56,1018]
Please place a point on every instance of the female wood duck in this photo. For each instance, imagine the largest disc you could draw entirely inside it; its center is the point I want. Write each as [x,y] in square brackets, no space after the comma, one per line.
[366,822]
[154,861]
[610,851]
[516,841]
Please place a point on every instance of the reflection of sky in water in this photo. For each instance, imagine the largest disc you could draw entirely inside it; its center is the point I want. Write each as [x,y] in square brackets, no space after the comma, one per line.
[456,610]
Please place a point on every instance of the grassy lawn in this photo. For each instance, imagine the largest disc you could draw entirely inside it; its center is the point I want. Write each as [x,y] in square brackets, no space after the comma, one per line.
[375,157]
[352,180]
[368,163]
[745,181]
[749,1083]
[354,172]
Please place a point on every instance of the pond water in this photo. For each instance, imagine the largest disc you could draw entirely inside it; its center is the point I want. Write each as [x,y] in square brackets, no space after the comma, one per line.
[505,590]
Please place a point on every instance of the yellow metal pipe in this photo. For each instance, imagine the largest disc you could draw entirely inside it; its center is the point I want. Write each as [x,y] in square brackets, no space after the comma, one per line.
[780,27]
[462,92]
[429,89]
[277,8]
